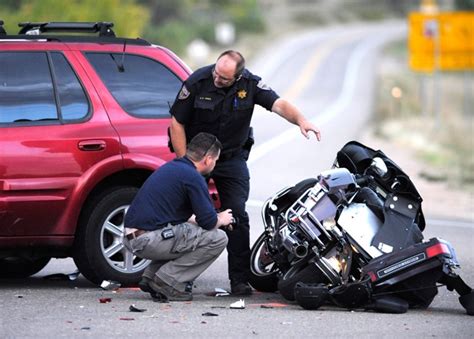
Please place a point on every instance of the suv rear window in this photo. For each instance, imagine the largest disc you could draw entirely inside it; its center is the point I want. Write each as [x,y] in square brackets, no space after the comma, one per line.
[27,92]
[143,87]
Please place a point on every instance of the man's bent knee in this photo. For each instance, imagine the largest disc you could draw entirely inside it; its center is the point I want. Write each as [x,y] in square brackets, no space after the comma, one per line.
[221,239]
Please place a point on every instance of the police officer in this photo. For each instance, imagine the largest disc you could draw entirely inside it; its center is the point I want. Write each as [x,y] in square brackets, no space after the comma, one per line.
[219,99]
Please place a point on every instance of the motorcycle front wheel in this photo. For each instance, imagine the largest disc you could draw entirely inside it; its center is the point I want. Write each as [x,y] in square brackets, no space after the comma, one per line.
[300,272]
[263,269]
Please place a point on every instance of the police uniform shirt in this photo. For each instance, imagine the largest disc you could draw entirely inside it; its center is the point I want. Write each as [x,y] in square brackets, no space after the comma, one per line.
[223,112]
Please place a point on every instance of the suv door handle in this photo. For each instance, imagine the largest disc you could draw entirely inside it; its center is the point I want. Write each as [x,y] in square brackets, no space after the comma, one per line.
[91,145]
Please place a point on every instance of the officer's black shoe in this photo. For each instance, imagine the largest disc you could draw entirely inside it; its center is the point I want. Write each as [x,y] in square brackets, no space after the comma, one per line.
[240,288]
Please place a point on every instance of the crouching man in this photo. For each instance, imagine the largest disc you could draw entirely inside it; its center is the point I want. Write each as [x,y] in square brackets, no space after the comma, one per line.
[172,222]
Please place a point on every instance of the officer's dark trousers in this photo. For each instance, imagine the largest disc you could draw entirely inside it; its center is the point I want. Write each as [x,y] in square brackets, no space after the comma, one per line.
[232,182]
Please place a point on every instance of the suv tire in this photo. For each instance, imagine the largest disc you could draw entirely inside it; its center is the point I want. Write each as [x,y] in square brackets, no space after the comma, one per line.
[98,250]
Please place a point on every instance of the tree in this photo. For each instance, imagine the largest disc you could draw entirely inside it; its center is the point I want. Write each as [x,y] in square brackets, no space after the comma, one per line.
[128,17]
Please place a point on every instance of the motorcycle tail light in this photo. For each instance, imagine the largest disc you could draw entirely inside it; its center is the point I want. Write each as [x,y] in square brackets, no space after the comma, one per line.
[372,275]
[437,249]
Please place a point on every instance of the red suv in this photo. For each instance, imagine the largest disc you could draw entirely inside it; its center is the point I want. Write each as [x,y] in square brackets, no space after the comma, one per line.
[83,123]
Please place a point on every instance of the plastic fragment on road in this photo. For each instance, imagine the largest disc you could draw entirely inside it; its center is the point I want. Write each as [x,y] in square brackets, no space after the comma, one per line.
[126,318]
[238,305]
[220,292]
[133,308]
[209,314]
[270,305]
[110,285]
[105,300]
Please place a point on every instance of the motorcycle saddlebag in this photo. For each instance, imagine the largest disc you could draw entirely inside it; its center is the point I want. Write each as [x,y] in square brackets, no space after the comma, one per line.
[411,273]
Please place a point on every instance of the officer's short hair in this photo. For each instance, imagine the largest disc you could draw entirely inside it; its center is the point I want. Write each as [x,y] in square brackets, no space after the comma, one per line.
[238,58]
[201,145]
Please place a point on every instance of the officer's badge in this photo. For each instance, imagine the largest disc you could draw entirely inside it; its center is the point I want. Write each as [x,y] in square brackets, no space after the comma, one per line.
[184,93]
[242,94]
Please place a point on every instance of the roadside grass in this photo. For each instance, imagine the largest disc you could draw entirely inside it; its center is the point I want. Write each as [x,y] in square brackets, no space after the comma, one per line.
[432,114]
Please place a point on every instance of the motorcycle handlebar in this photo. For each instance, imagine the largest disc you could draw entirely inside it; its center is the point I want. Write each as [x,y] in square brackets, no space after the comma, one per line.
[364,180]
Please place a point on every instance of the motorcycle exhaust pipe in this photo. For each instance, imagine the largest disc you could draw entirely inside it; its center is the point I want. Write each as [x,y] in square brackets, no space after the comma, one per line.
[293,245]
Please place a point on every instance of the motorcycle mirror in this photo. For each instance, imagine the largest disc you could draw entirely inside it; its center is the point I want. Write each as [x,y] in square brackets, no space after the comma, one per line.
[379,167]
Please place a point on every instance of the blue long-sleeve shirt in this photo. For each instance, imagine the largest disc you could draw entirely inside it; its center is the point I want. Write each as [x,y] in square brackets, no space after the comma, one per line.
[172,194]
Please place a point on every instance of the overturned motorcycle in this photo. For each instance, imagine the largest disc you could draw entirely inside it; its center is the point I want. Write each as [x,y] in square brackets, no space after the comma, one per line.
[353,238]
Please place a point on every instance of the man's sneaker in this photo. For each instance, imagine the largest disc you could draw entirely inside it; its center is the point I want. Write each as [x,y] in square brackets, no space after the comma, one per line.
[144,285]
[172,294]
[241,288]
[189,287]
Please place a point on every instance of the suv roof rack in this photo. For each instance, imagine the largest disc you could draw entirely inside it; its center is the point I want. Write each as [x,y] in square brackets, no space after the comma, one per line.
[36,28]
[2,30]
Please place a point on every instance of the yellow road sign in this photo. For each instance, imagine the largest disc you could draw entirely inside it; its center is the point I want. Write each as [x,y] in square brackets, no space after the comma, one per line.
[442,41]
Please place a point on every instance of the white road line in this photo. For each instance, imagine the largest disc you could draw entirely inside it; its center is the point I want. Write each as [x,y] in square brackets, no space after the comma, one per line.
[340,104]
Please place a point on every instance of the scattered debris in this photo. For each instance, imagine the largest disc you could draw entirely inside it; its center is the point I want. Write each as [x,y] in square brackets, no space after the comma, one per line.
[270,305]
[18,296]
[218,292]
[110,285]
[203,322]
[63,276]
[105,300]
[218,307]
[85,328]
[210,314]
[126,318]
[133,308]
[287,323]
[239,305]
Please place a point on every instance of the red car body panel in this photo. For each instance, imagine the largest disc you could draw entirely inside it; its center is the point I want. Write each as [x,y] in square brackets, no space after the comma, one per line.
[48,171]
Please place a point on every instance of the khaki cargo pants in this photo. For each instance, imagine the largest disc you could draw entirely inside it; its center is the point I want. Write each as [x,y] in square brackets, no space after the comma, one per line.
[182,258]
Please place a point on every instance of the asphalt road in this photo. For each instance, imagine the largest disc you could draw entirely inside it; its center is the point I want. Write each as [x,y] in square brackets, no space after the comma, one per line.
[328,74]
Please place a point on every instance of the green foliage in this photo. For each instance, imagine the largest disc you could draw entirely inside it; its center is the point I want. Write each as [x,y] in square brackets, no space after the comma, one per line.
[171,23]
[128,17]
[246,16]
[464,5]
[173,34]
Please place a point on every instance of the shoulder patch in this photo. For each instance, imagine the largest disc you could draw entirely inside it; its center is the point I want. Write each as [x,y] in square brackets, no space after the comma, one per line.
[263,86]
[184,93]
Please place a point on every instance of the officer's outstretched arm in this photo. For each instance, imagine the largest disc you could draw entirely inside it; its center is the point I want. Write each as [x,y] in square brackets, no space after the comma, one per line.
[178,137]
[288,111]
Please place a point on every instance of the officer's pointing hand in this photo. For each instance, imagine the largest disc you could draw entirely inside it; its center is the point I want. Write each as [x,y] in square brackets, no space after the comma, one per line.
[306,127]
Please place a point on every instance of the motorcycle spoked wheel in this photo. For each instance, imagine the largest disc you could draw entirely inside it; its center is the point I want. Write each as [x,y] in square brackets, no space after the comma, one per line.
[300,272]
[263,270]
